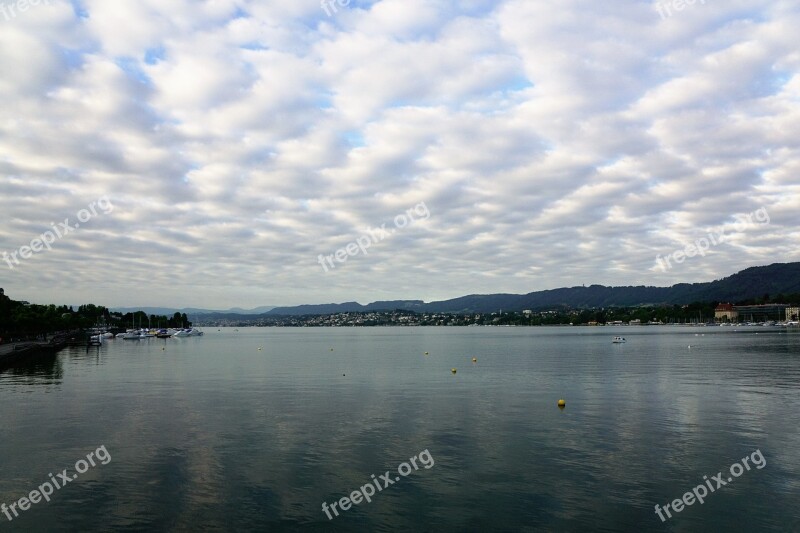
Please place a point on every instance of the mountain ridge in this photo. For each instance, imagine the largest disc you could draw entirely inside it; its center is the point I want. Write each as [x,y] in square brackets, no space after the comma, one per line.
[169,311]
[750,283]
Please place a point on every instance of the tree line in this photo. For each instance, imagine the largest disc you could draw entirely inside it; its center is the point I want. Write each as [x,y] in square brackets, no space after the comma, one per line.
[22,320]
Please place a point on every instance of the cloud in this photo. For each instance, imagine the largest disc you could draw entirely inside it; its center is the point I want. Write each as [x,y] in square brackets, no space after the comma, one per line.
[555,143]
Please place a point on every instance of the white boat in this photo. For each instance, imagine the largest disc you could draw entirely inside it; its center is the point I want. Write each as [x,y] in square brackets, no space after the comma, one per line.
[132,334]
[135,334]
[96,340]
[108,335]
[618,340]
[188,332]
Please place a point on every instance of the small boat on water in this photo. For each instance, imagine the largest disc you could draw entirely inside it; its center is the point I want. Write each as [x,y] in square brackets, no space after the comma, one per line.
[188,332]
[133,334]
[96,340]
[163,334]
[618,340]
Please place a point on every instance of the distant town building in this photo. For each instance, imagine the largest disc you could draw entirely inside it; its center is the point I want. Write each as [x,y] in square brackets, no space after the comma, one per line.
[725,313]
[792,313]
[752,313]
[526,312]
[761,313]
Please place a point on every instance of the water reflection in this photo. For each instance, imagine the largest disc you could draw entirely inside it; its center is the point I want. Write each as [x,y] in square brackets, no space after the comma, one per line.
[217,434]
[43,369]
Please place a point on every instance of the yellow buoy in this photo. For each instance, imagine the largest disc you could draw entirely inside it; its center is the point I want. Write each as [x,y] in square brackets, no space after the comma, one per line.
[474,359]
[453,370]
[562,403]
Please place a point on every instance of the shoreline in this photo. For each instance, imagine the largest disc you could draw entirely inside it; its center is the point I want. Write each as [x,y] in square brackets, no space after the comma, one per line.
[18,352]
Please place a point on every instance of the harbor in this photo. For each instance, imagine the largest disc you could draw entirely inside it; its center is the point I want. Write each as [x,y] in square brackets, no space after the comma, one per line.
[24,351]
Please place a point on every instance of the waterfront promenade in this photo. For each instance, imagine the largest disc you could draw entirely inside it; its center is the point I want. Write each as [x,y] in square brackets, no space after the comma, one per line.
[15,352]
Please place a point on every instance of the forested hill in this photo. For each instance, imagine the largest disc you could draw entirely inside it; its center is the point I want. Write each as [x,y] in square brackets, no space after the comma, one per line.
[746,286]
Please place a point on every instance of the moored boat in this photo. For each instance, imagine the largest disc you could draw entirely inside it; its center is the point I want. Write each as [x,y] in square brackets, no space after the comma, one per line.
[188,332]
[132,334]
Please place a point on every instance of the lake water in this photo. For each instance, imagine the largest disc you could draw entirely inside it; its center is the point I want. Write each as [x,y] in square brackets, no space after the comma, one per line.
[213,434]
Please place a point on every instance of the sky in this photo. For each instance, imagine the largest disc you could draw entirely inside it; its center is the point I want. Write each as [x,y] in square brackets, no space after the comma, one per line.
[228,153]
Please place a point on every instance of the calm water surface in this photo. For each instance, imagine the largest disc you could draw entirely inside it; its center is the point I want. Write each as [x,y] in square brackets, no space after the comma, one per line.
[213,434]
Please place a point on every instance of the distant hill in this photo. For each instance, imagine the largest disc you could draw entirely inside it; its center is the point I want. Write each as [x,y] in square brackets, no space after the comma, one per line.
[254,311]
[169,311]
[348,307]
[754,282]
